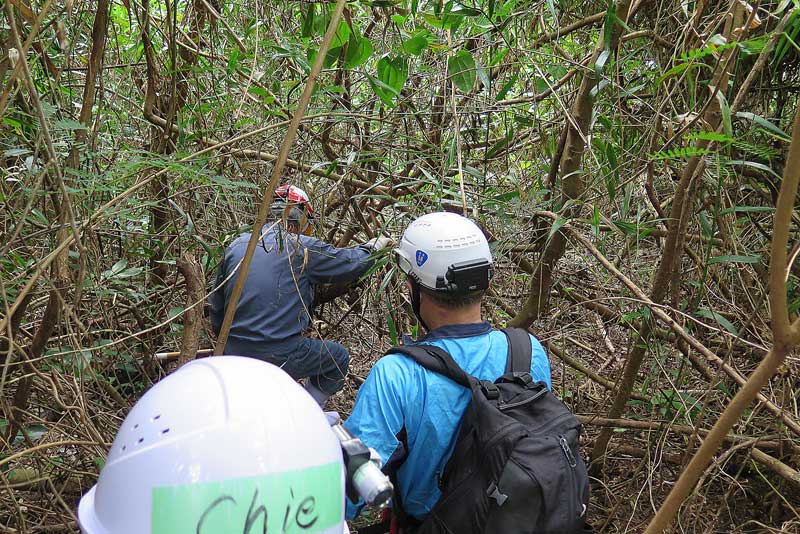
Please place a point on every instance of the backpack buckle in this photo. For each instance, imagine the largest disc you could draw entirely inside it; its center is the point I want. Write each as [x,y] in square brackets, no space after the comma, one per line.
[523,379]
[491,391]
[494,493]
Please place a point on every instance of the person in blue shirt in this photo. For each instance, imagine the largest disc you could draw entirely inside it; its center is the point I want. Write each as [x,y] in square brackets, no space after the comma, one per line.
[275,307]
[411,415]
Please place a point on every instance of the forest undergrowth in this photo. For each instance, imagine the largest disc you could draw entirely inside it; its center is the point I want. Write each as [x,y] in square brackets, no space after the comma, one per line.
[631,162]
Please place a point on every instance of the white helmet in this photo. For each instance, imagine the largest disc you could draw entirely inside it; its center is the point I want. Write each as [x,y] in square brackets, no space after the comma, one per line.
[438,247]
[445,253]
[224,444]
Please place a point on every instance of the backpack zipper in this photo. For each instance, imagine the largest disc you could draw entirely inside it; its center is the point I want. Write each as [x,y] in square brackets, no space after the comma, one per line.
[567,451]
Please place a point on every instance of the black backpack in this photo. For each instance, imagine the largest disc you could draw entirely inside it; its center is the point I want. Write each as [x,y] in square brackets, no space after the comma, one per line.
[516,467]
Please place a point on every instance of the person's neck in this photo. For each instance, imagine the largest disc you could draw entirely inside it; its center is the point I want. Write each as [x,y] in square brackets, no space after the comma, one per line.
[441,318]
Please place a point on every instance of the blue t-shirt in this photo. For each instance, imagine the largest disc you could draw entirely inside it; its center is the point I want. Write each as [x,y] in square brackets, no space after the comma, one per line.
[402,401]
[278,294]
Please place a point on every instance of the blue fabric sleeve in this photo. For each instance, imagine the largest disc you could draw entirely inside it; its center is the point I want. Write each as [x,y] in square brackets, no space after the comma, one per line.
[328,264]
[378,415]
[540,364]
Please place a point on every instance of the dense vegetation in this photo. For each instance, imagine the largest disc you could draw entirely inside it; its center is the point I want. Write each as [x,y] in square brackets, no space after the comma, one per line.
[625,159]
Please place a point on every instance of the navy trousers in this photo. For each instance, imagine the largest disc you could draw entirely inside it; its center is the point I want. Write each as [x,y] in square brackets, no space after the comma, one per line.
[323,362]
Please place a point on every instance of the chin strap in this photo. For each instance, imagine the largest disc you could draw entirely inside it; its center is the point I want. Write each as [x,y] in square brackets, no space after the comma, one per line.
[415,302]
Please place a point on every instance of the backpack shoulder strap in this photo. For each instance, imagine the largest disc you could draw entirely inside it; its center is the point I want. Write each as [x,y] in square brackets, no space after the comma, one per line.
[519,350]
[434,359]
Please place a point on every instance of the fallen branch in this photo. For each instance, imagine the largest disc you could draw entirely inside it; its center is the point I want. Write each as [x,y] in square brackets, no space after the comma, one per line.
[776,466]
[667,426]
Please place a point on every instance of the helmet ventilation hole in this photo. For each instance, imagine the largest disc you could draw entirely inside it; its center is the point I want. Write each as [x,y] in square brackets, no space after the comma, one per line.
[136,426]
[157,417]
[140,440]
[165,431]
[124,447]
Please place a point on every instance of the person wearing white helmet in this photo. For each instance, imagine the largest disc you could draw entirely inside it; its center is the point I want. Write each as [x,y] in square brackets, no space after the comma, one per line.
[229,445]
[409,414]
[274,310]
[223,445]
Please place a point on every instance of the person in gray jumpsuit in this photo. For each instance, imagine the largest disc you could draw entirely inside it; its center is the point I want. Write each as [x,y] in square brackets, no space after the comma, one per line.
[275,307]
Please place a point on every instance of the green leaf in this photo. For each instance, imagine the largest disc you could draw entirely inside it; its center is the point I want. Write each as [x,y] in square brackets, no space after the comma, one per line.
[507,87]
[677,69]
[608,25]
[498,57]
[330,57]
[714,316]
[392,75]
[748,209]
[461,70]
[679,153]
[233,61]
[342,34]
[600,64]
[483,75]
[16,152]
[500,145]
[358,51]
[117,268]
[393,72]
[129,273]
[447,21]
[727,128]
[710,136]
[69,124]
[735,259]
[764,123]
[308,21]
[755,165]
[416,44]
[560,221]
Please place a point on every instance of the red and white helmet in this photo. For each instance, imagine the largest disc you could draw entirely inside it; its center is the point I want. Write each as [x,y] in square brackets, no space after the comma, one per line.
[291,194]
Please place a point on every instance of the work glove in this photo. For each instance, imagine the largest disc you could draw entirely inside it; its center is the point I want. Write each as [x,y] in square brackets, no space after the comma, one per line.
[380,242]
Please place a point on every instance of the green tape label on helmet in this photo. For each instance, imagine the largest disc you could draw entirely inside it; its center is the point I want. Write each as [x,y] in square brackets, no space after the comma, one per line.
[306,500]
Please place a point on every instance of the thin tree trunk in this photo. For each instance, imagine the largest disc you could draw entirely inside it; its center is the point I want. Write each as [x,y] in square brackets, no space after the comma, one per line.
[673,244]
[573,184]
[64,216]
[193,316]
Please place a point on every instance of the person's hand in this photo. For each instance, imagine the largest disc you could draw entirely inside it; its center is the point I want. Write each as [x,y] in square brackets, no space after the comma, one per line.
[380,242]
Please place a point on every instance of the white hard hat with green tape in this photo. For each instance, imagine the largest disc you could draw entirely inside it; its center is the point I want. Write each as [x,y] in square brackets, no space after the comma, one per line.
[224,444]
